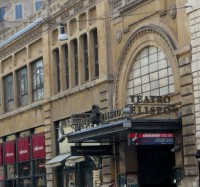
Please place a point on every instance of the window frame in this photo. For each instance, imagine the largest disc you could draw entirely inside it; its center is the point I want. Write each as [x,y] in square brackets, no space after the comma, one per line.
[8,91]
[21,95]
[96,58]
[85,57]
[16,12]
[37,76]
[56,57]
[66,65]
[76,65]
[2,13]
[38,5]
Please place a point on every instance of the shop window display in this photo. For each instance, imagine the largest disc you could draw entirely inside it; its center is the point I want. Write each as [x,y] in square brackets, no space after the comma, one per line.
[24,169]
[25,183]
[40,182]
[11,171]
[40,166]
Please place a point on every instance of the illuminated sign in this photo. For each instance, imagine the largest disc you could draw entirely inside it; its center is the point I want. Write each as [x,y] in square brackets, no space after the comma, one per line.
[150,139]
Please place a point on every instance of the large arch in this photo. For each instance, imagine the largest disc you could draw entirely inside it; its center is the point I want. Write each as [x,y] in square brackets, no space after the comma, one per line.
[141,38]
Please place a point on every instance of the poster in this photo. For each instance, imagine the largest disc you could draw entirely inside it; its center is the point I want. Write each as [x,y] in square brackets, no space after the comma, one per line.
[132,180]
[122,181]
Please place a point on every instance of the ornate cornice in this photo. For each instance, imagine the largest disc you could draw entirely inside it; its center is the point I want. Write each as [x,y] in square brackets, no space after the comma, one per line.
[21,42]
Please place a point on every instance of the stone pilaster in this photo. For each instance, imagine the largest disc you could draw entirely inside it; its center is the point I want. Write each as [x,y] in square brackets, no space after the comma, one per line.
[194,142]
[188,119]
[48,142]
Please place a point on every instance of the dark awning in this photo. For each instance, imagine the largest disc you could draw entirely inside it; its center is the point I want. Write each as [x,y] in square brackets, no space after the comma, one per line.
[115,130]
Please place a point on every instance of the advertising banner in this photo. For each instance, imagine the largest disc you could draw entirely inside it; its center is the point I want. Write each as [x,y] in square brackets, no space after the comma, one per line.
[9,152]
[38,146]
[151,138]
[23,152]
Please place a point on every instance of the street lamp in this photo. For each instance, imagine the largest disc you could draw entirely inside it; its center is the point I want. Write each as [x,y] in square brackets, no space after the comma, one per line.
[62,35]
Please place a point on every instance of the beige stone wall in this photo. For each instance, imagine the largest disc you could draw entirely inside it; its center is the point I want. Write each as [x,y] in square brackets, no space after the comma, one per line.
[127,31]
[193,12]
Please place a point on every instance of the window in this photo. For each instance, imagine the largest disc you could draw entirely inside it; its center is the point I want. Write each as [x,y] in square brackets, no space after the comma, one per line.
[57,68]
[66,56]
[18,11]
[85,57]
[24,169]
[8,93]
[11,171]
[96,60]
[37,80]
[2,12]
[39,165]
[22,87]
[38,5]
[75,46]
[151,74]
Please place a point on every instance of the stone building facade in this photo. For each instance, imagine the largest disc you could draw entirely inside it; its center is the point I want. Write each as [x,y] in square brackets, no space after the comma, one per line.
[116,51]
[13,12]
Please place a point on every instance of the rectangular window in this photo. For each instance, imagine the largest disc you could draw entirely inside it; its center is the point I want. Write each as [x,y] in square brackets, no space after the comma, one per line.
[66,56]
[38,5]
[57,68]
[2,12]
[85,57]
[18,11]
[37,80]
[75,45]
[24,169]
[8,93]
[22,87]
[96,60]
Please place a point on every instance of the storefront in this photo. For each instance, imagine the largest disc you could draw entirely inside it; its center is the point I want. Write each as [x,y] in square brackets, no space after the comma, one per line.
[71,169]
[143,150]
[23,163]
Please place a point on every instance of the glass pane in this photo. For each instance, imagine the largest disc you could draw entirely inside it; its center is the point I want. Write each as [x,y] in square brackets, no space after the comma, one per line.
[18,11]
[40,166]
[137,82]
[25,183]
[144,61]
[136,73]
[24,169]
[40,182]
[11,171]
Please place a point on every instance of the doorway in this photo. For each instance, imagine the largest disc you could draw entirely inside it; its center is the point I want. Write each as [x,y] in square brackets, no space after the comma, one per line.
[155,165]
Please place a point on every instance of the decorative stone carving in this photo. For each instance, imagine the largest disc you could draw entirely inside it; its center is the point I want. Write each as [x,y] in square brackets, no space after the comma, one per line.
[172,11]
[118,36]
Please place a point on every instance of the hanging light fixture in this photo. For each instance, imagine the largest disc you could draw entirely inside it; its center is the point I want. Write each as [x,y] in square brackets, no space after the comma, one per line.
[62,35]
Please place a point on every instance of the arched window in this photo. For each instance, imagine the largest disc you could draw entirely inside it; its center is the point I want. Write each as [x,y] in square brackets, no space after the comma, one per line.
[151,74]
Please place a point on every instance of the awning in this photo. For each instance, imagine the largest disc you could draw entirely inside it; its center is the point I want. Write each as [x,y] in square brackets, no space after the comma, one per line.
[74,159]
[56,161]
[117,128]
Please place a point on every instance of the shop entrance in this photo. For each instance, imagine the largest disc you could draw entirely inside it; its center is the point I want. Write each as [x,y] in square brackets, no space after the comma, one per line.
[155,165]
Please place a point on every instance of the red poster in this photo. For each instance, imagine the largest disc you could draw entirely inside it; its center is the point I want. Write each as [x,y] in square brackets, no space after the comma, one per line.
[38,146]
[1,158]
[23,152]
[9,152]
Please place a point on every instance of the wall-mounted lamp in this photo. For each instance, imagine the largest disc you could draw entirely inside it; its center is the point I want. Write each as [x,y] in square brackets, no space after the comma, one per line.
[62,132]
[126,112]
[62,35]
[176,147]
